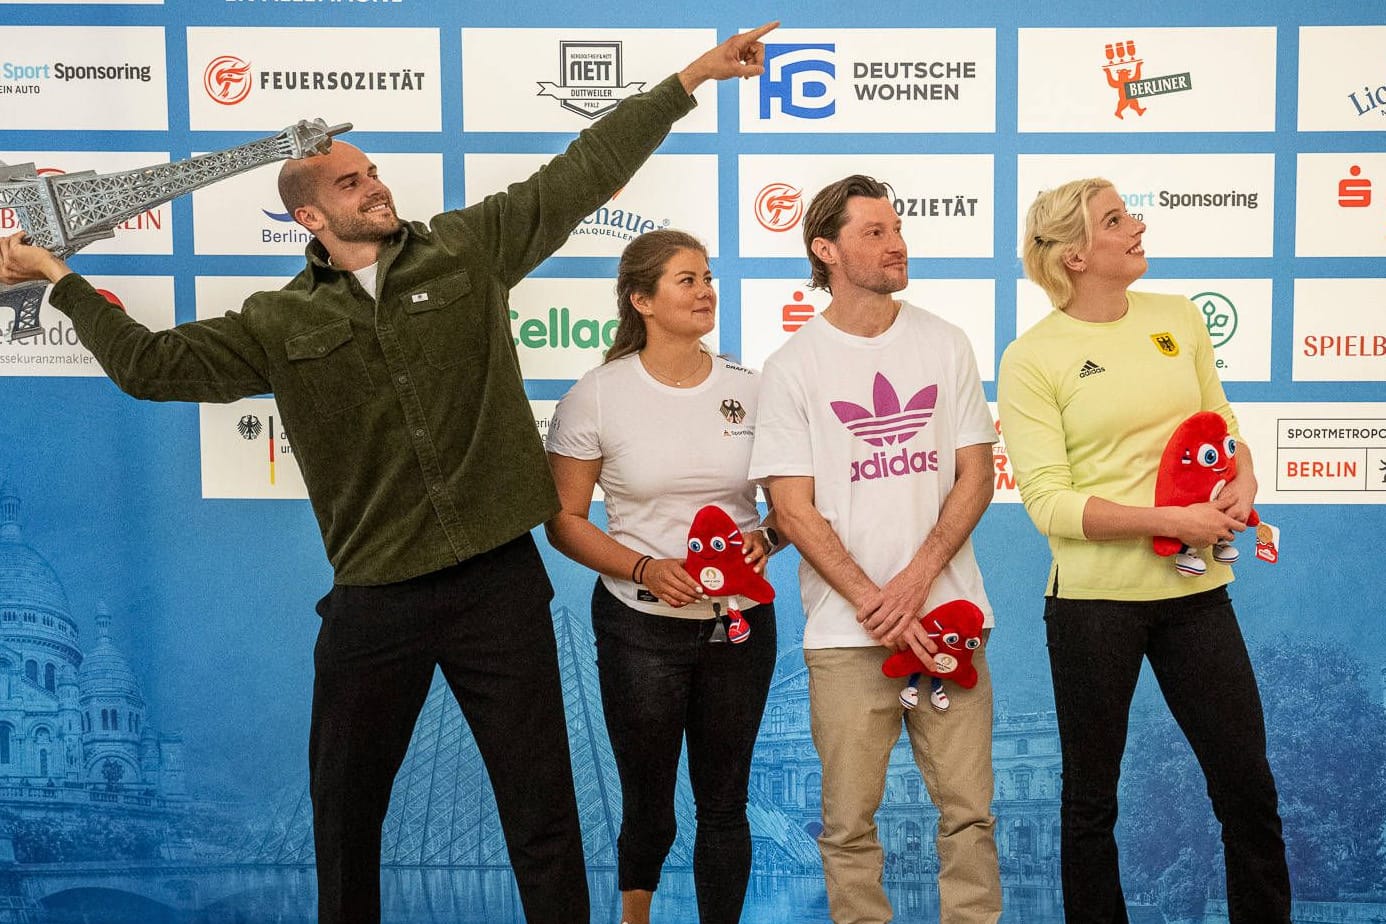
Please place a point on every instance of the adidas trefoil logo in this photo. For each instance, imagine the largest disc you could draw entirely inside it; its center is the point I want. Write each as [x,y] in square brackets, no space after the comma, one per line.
[1090,368]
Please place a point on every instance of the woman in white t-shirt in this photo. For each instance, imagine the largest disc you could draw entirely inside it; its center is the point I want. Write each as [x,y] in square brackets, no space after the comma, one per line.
[666,428]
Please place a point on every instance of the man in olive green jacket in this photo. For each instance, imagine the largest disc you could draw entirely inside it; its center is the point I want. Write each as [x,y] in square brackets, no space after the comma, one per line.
[392,362]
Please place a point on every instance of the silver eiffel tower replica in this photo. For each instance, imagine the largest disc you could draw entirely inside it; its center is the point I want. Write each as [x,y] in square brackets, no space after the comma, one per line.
[66,213]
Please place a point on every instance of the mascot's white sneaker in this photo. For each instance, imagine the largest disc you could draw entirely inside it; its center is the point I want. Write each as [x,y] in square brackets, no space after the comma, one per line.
[1190,565]
[939,699]
[909,697]
[1226,553]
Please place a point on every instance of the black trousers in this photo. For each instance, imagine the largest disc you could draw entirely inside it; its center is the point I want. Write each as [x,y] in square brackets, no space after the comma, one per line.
[486,623]
[663,681]
[1196,651]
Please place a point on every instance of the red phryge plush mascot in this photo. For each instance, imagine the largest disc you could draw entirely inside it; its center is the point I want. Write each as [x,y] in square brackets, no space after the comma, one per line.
[1198,462]
[716,561]
[956,627]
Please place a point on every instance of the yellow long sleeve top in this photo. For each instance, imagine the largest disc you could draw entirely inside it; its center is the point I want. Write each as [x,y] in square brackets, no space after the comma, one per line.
[1086,410]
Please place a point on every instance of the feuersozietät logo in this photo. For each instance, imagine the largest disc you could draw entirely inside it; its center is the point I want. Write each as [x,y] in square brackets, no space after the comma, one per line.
[1125,74]
[888,423]
[779,206]
[1219,313]
[227,79]
[798,80]
[590,79]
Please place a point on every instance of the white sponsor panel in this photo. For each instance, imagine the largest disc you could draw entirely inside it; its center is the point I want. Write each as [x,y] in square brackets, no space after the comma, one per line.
[1194,205]
[1316,453]
[945,201]
[669,191]
[246,453]
[244,216]
[561,80]
[1342,78]
[237,439]
[1340,330]
[1237,312]
[55,350]
[874,80]
[562,327]
[1146,80]
[772,309]
[150,232]
[1004,491]
[268,78]
[75,78]
[1340,207]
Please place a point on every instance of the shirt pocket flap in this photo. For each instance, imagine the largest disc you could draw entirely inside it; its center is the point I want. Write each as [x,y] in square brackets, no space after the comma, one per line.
[438,293]
[318,342]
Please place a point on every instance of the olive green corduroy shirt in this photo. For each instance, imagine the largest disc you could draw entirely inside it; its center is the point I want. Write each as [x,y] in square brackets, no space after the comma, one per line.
[407,412]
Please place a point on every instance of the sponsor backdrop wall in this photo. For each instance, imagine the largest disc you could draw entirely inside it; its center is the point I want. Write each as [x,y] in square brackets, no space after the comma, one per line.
[159,566]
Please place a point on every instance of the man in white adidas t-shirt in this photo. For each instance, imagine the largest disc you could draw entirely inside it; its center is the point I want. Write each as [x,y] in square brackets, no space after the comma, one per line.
[874,439]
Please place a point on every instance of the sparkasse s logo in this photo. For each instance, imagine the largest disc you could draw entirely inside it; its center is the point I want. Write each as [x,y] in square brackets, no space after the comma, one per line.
[227,79]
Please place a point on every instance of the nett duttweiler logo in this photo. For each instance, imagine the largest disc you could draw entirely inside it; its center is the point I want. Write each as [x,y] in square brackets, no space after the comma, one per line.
[590,82]
[1125,74]
[779,206]
[888,423]
[1219,314]
[798,80]
[227,80]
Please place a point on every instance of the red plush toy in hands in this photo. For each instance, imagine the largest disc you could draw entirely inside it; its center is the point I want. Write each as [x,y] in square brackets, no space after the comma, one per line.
[716,560]
[1198,462]
[956,627]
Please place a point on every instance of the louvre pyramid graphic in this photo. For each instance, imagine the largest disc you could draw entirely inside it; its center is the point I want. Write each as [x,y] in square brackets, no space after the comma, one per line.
[443,811]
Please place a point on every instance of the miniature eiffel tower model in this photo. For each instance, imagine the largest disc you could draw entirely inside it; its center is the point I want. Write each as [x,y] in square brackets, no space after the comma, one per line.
[66,213]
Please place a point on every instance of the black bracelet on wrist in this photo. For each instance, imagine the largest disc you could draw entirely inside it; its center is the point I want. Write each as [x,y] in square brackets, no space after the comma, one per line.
[637,571]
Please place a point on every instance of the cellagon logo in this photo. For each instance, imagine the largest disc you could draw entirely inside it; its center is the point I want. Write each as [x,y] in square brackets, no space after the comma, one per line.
[798,80]
[559,329]
[886,425]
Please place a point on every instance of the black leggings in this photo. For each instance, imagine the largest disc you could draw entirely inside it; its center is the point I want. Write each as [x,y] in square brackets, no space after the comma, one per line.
[662,679]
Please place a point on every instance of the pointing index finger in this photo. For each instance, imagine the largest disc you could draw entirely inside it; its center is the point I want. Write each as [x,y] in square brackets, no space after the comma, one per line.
[755,34]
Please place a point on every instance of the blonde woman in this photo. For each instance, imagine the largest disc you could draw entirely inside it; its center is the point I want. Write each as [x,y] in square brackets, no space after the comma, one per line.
[1088,398]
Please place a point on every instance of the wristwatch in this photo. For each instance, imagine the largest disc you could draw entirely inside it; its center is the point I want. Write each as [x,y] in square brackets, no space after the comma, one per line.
[772,537]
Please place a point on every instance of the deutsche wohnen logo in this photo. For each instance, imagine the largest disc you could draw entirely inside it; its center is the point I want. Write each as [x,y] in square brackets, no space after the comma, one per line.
[590,81]
[798,80]
[227,80]
[1125,74]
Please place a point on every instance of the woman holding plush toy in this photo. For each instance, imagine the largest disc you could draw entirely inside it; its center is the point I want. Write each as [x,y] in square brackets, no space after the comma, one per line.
[666,428]
[1088,399]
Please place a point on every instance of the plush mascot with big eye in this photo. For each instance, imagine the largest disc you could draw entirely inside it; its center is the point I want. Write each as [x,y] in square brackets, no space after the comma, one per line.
[1198,462]
[716,560]
[956,627]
